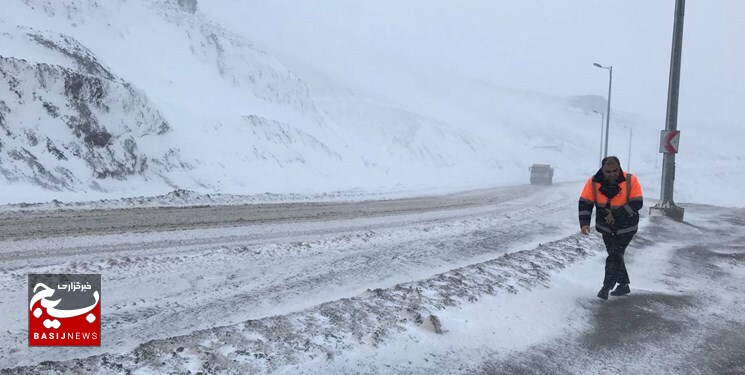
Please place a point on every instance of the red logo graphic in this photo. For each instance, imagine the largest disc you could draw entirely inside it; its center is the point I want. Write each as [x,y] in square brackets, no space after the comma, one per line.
[64,310]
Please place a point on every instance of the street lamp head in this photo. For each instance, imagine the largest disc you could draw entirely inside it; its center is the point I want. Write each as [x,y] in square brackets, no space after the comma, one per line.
[598,65]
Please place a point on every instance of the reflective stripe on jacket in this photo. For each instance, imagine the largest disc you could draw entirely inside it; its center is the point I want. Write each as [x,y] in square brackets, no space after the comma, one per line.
[625,205]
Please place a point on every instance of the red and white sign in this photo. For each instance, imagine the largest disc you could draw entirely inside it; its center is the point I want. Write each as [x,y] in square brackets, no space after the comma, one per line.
[669,140]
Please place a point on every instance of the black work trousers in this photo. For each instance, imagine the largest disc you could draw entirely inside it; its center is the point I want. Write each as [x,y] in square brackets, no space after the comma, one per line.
[615,268]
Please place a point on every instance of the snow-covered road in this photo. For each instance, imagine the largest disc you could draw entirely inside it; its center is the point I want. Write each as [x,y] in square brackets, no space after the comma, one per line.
[171,271]
[490,281]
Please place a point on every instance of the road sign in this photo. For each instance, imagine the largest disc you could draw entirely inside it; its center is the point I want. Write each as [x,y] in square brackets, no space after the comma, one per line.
[669,140]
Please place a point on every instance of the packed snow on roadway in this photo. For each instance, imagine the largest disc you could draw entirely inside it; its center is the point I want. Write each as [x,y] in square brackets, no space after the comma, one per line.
[493,291]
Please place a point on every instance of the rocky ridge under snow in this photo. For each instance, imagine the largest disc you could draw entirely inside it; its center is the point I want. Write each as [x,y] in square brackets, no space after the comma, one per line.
[63,122]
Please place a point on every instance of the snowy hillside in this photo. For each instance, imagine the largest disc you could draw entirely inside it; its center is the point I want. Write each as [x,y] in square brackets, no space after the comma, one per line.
[142,97]
[68,127]
[111,116]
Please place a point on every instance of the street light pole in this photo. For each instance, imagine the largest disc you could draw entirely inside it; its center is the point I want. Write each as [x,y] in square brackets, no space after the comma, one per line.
[602,118]
[628,163]
[607,112]
[602,122]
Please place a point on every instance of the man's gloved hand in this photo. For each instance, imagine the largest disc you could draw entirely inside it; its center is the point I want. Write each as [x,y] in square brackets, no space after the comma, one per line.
[585,229]
[609,219]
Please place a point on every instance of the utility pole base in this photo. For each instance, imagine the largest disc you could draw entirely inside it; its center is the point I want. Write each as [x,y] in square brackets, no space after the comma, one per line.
[675,213]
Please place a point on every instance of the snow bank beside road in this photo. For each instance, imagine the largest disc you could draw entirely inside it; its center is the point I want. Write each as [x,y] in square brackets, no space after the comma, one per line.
[334,328]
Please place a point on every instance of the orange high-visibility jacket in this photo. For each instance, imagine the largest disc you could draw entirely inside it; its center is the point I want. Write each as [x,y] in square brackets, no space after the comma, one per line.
[625,206]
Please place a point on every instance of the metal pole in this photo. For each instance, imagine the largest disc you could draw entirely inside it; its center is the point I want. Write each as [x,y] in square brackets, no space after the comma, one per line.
[602,120]
[628,165]
[607,112]
[666,204]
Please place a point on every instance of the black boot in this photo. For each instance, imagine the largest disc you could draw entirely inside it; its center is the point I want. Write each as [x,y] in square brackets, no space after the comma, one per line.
[621,289]
[603,293]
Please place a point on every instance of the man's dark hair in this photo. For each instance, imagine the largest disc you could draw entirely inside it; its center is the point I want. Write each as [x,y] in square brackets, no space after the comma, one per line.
[611,159]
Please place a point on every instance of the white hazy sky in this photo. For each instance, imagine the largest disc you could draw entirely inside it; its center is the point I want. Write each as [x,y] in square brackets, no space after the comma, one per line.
[542,45]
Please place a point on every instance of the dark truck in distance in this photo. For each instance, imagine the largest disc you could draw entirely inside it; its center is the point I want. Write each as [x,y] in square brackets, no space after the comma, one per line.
[541,174]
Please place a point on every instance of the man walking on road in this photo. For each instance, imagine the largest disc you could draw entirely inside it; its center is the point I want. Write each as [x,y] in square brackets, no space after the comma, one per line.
[618,198]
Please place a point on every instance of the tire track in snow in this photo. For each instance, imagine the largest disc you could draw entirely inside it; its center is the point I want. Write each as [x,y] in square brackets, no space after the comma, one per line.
[276,270]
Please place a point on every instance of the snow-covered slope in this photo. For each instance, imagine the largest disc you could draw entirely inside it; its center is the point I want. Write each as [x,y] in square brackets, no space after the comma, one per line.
[132,97]
[241,120]
[70,124]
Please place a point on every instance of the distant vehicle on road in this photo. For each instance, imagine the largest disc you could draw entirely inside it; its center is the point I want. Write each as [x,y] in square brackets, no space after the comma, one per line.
[541,174]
